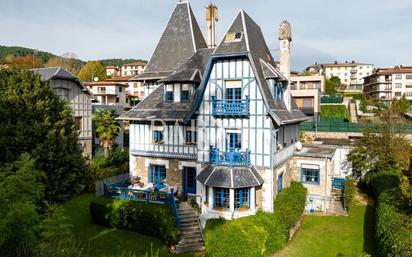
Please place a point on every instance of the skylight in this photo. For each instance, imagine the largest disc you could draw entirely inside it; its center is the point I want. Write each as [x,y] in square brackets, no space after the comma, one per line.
[233,37]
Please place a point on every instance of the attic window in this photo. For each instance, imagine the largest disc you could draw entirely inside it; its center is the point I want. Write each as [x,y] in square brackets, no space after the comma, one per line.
[233,37]
[169,93]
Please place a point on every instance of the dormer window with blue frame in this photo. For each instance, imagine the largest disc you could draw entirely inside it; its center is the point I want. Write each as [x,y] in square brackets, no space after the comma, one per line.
[278,90]
[184,93]
[169,93]
[233,90]
[310,174]
[242,198]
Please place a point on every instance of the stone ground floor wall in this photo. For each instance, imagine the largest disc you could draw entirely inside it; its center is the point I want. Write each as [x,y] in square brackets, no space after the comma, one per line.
[139,166]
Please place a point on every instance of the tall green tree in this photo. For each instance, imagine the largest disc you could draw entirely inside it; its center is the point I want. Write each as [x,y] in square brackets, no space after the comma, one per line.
[383,146]
[107,128]
[35,120]
[92,70]
[20,191]
[332,85]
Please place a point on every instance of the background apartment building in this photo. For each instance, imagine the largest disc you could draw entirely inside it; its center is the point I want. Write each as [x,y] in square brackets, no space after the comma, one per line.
[134,68]
[110,93]
[306,91]
[389,83]
[351,74]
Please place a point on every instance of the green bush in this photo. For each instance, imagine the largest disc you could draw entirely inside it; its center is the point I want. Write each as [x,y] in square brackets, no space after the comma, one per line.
[290,203]
[334,111]
[116,163]
[147,218]
[393,226]
[260,234]
[384,180]
[350,191]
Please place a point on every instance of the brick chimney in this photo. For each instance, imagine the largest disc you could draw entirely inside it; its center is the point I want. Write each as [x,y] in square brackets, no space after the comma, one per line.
[211,19]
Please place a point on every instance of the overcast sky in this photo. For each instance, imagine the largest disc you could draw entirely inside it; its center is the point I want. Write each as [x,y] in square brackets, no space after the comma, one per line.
[371,31]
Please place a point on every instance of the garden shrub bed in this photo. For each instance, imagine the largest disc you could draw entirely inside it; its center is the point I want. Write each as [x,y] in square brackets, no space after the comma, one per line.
[260,234]
[393,224]
[151,219]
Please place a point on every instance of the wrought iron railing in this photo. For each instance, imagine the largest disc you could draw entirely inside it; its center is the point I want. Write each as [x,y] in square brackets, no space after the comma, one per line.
[121,191]
[230,158]
[229,107]
[338,183]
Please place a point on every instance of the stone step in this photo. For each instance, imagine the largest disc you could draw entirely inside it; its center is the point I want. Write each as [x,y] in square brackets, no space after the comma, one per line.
[189,222]
[189,229]
[188,217]
[190,233]
[189,248]
[192,240]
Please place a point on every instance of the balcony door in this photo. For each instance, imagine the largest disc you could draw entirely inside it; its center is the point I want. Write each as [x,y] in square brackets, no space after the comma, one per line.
[157,175]
[233,141]
[233,90]
[189,180]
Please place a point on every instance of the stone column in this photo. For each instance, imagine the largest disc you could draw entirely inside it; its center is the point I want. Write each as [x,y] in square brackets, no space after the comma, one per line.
[252,198]
[232,200]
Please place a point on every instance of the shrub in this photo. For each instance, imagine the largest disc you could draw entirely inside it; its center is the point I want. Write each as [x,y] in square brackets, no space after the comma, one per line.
[116,163]
[393,226]
[290,203]
[147,218]
[260,234]
[384,180]
[350,191]
[334,111]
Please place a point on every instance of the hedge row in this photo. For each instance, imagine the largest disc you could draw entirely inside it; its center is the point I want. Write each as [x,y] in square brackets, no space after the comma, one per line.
[334,111]
[260,234]
[393,227]
[147,218]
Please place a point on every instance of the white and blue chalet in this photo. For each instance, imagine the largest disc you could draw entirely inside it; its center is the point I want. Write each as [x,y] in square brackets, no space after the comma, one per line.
[218,123]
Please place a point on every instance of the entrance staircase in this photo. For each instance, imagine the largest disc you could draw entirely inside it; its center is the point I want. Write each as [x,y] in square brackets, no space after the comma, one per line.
[335,204]
[190,232]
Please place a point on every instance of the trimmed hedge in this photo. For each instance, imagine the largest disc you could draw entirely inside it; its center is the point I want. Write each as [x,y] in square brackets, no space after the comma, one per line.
[393,227]
[290,203]
[393,222]
[147,218]
[334,111]
[260,234]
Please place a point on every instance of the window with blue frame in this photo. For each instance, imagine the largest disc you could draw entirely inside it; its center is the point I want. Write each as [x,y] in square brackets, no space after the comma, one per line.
[242,198]
[278,90]
[221,198]
[169,96]
[233,141]
[234,93]
[158,136]
[184,96]
[157,174]
[191,137]
[310,175]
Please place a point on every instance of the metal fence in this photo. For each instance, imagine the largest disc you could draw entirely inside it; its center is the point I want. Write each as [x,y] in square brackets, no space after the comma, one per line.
[341,126]
[331,99]
[99,186]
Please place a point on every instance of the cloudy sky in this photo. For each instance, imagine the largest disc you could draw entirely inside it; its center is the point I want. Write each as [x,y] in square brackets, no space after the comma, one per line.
[371,31]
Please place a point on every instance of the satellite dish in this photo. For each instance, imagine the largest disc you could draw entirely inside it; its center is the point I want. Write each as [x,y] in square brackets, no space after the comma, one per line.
[96,79]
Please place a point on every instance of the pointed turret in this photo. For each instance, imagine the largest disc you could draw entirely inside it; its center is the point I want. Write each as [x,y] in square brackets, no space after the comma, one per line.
[180,39]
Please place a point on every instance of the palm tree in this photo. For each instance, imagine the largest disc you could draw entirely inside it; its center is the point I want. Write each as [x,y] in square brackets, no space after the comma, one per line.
[107,128]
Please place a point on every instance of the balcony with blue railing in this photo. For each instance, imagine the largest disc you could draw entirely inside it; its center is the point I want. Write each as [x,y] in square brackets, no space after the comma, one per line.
[230,158]
[231,107]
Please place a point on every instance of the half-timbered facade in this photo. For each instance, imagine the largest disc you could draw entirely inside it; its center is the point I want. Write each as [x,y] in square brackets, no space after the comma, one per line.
[218,123]
[69,88]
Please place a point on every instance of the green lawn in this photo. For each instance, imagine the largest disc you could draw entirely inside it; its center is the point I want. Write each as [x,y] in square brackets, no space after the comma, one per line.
[101,241]
[332,236]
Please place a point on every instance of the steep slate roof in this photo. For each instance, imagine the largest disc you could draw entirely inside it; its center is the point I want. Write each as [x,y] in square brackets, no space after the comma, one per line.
[192,69]
[253,45]
[47,74]
[181,38]
[230,177]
